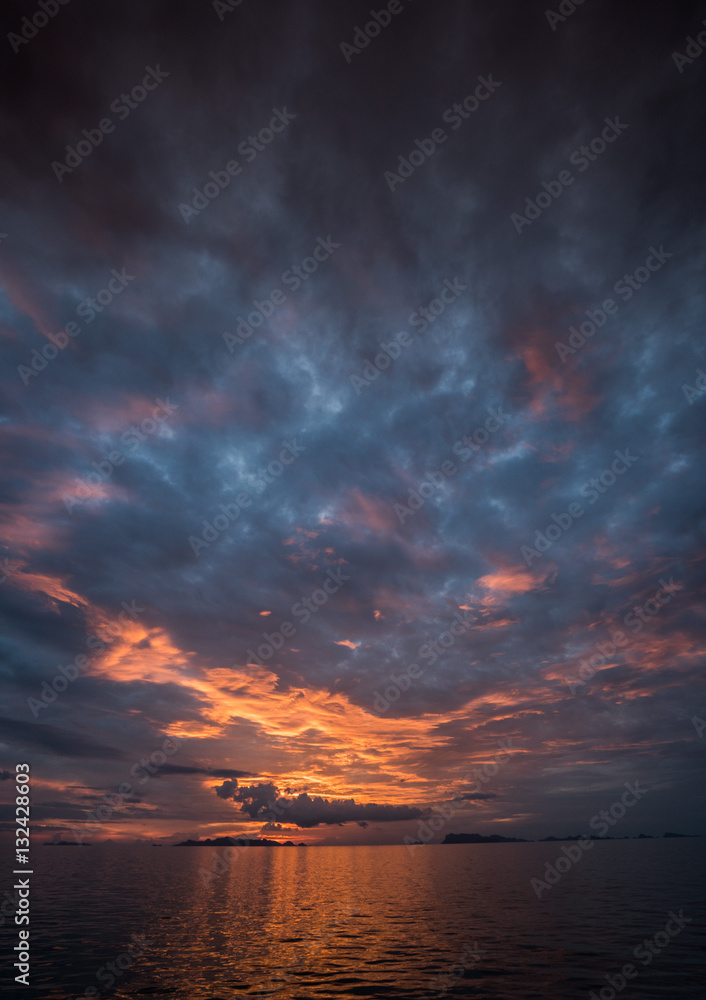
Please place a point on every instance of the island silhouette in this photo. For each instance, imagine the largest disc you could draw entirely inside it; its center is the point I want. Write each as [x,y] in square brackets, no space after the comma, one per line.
[450,838]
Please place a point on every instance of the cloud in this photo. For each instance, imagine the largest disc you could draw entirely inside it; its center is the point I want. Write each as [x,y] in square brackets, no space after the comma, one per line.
[223,772]
[305,811]
[253,797]
[43,738]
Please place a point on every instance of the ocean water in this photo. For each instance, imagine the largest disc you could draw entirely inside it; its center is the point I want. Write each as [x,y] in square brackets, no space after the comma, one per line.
[367,922]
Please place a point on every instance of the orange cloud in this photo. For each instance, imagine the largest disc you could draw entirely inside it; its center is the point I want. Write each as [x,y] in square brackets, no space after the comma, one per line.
[549,384]
[53,588]
[25,298]
[364,515]
[508,580]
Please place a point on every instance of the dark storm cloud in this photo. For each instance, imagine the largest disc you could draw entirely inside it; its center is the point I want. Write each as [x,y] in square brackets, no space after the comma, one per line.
[223,772]
[254,797]
[363,452]
[305,811]
[50,739]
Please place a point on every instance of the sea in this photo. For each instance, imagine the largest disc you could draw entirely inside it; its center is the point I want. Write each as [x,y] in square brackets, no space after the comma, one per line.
[626,919]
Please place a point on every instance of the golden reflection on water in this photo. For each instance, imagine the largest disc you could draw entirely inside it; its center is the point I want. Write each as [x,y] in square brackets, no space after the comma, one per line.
[280,917]
[363,922]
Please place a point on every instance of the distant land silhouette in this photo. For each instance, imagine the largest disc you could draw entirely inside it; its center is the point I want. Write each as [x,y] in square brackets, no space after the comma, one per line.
[229,841]
[477,838]
[450,838]
[64,843]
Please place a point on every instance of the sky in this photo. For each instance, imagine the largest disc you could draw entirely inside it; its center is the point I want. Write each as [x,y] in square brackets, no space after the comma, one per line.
[352,395]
